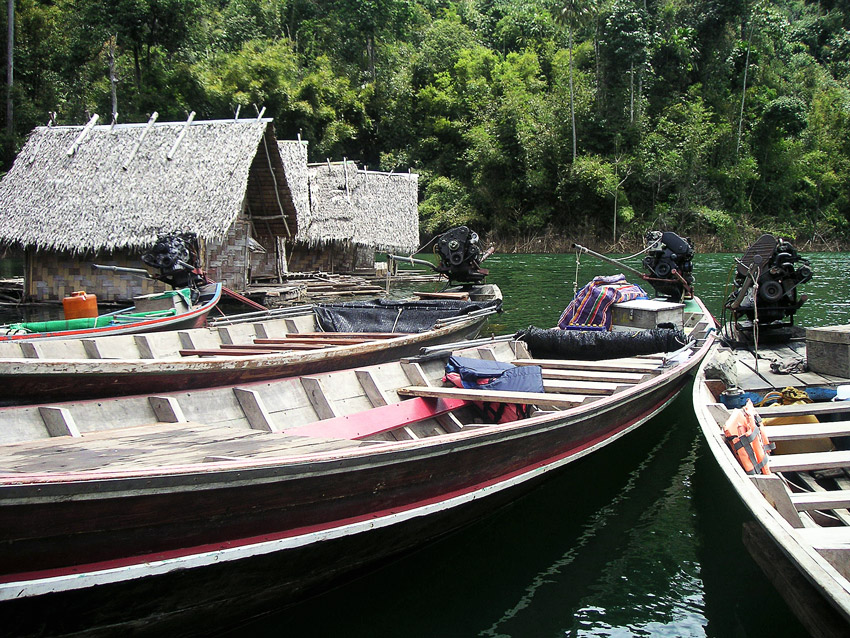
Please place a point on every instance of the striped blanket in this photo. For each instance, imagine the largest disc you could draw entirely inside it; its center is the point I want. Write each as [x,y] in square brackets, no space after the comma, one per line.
[592,304]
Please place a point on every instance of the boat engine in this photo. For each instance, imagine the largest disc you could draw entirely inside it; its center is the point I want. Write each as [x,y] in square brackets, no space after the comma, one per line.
[669,264]
[177,258]
[766,281]
[460,256]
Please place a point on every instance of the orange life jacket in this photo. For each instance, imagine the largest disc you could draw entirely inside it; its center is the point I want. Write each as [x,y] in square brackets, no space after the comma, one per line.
[748,441]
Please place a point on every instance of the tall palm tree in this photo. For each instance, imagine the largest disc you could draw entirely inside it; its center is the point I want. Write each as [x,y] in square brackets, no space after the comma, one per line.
[570,16]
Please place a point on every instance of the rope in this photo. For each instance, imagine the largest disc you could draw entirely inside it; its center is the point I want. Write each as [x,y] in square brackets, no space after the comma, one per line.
[575,281]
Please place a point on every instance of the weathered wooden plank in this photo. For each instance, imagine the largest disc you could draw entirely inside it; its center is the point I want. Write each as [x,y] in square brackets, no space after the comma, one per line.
[329,340]
[826,500]
[558,400]
[774,491]
[609,365]
[255,411]
[796,431]
[810,461]
[835,407]
[318,399]
[581,387]
[594,375]
[167,409]
[59,421]
[827,537]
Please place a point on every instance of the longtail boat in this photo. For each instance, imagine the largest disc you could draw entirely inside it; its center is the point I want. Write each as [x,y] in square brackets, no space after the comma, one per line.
[772,402]
[154,506]
[171,310]
[235,349]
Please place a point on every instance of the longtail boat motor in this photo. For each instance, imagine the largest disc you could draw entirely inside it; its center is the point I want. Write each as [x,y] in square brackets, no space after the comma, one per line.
[766,282]
[669,262]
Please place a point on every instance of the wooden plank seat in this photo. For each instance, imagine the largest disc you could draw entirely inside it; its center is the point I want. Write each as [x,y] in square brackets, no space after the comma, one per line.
[835,407]
[826,537]
[378,420]
[808,461]
[334,341]
[526,398]
[594,375]
[796,431]
[828,500]
[610,365]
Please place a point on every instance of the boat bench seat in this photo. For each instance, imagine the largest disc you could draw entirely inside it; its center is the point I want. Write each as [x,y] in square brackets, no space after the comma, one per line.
[378,420]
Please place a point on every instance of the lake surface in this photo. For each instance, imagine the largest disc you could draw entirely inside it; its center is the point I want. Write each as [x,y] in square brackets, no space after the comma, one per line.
[640,539]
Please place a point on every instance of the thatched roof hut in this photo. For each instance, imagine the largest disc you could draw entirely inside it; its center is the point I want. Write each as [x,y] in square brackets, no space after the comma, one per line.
[121,186]
[339,202]
[105,193]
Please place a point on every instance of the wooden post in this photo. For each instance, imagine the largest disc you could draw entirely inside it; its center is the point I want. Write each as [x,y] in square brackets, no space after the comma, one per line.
[113,81]
[73,148]
[138,143]
[170,155]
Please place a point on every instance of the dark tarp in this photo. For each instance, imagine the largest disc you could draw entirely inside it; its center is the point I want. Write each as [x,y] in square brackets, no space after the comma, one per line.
[593,345]
[385,315]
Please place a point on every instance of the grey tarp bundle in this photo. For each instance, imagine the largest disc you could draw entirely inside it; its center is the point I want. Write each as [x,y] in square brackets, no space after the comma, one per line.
[595,345]
[385,315]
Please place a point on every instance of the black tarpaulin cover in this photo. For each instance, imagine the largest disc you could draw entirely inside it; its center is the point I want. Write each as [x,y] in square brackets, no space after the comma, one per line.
[589,345]
[386,315]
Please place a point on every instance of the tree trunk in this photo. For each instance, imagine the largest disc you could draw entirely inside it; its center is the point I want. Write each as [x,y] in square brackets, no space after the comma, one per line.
[113,81]
[10,66]
[138,68]
[572,95]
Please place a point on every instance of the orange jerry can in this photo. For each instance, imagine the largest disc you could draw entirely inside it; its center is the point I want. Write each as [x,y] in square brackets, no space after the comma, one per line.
[80,305]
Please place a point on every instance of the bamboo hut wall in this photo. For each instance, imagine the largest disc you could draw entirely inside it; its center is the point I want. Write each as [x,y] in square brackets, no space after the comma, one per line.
[227,260]
[55,275]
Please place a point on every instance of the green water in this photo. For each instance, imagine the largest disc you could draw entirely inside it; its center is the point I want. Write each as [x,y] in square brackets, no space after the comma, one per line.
[642,538]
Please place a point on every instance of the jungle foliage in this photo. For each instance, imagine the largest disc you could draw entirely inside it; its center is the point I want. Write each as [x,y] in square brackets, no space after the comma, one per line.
[711,117]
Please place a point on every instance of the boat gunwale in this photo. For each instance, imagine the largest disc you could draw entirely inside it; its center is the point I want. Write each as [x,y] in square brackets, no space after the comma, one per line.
[42,366]
[814,567]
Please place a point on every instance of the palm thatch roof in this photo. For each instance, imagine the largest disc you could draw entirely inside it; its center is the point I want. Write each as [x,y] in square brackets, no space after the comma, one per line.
[122,186]
[363,207]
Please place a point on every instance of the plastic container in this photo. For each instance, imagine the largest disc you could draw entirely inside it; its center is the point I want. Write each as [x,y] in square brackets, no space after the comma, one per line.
[80,305]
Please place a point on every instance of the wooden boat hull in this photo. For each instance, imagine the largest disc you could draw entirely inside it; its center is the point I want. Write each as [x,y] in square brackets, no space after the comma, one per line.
[74,519]
[778,539]
[315,525]
[24,380]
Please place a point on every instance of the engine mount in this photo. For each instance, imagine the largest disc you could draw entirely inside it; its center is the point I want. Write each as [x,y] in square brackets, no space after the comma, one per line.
[460,256]
[669,264]
[766,281]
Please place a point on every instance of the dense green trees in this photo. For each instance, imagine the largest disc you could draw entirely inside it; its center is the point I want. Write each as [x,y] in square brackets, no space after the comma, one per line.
[576,117]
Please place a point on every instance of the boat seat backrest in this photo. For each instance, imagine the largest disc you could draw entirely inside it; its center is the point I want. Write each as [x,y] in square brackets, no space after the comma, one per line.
[61,349]
[273,329]
[10,350]
[117,347]
[241,333]
[199,338]
[303,323]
